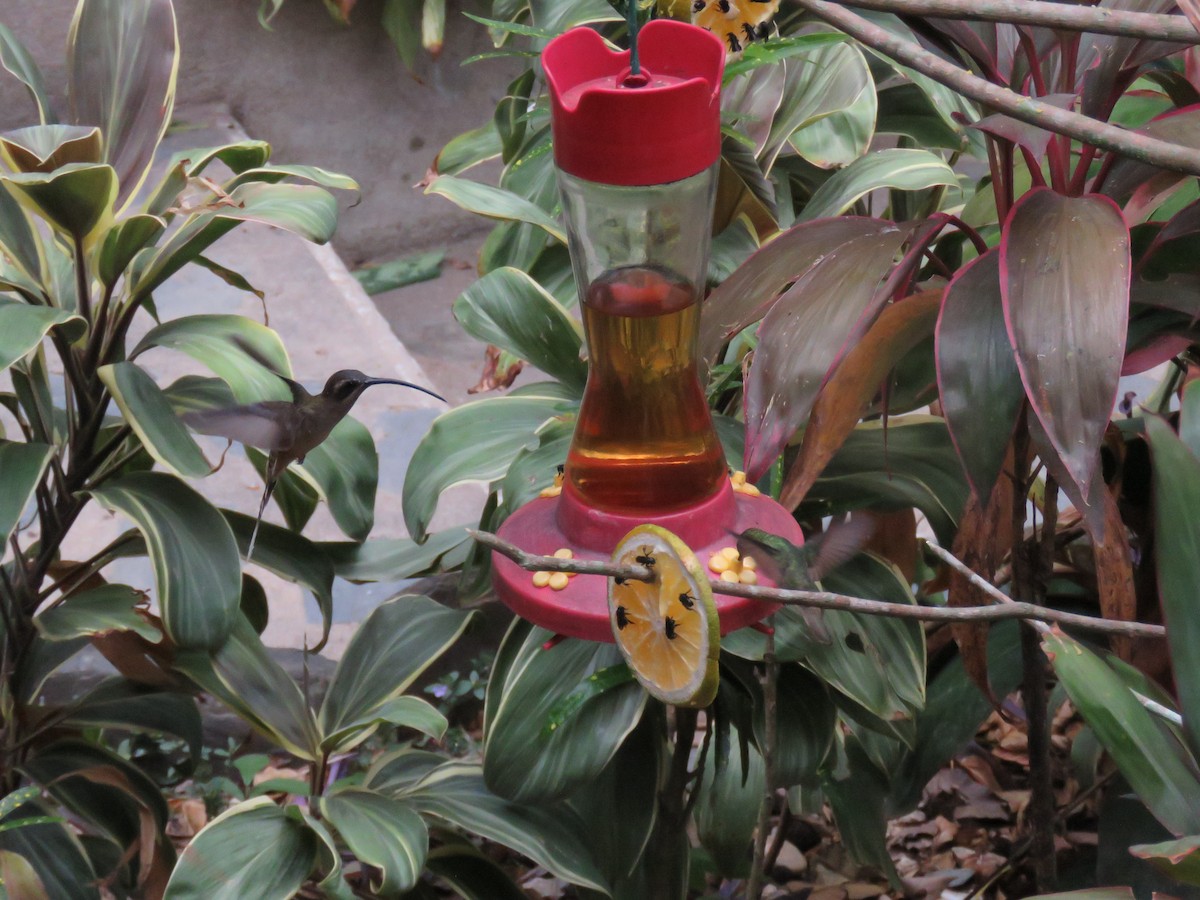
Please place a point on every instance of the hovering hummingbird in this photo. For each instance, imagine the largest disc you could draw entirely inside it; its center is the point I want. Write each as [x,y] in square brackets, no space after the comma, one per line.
[288,430]
[801,568]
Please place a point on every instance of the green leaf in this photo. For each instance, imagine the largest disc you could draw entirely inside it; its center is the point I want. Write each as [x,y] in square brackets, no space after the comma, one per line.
[124,705]
[382,832]
[1064,272]
[467,150]
[805,720]
[122,65]
[255,849]
[845,134]
[898,169]
[275,173]
[22,328]
[524,763]
[102,788]
[197,571]
[473,442]
[110,607]
[472,873]
[400,272]
[20,241]
[123,242]
[292,557]
[858,806]
[43,148]
[243,676]
[392,647]
[345,469]
[829,79]
[303,209]
[76,198]
[22,465]
[906,109]
[909,464]
[149,413]
[53,852]
[1162,773]
[494,203]
[767,53]
[728,807]
[402,712]
[16,60]
[509,309]
[187,164]
[1177,545]
[454,794]
[232,347]
[1179,859]
[393,559]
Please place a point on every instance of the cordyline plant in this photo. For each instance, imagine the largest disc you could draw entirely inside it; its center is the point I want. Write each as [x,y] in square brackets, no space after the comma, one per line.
[886,330]
[87,236]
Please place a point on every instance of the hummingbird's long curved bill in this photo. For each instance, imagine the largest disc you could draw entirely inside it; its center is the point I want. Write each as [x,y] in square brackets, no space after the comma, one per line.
[407,384]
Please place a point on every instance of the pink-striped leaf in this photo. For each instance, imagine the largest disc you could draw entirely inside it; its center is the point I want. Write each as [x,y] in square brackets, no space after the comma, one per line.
[1064,274]
[806,334]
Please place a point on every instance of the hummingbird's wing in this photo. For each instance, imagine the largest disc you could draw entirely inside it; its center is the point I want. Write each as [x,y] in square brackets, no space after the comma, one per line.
[263,425]
[840,542]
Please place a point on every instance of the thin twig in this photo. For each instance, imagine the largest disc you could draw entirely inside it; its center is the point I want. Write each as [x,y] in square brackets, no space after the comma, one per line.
[1090,19]
[770,684]
[1143,148]
[1006,609]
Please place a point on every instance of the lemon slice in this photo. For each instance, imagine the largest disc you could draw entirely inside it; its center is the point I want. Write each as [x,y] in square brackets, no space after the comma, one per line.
[667,629]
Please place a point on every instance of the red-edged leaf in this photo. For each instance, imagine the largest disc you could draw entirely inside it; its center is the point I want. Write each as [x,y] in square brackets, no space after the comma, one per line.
[1064,276]
[977,371]
[746,295]
[853,387]
[1030,137]
[807,333]
[1090,506]
[1143,185]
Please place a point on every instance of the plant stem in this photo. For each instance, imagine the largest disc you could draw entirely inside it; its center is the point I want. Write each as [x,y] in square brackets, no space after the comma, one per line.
[1028,582]
[1143,148]
[770,684]
[1009,609]
[1068,17]
[673,809]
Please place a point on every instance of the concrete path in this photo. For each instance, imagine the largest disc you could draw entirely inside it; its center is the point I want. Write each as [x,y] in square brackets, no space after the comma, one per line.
[326,323]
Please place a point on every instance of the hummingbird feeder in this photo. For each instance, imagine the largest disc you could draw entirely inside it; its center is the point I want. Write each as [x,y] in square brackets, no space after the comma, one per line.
[637,140]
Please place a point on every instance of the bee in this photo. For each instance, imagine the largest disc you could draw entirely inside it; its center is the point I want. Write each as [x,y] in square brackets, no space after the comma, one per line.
[669,628]
[698,6]
[723,6]
[687,600]
[735,46]
[622,618]
[620,580]
[561,470]
[645,558]
[737,22]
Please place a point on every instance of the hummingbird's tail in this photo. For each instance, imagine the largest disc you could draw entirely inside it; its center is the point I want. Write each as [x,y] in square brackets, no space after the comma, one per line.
[268,489]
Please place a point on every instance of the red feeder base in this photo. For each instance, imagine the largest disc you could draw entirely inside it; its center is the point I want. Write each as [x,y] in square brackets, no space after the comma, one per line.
[581,609]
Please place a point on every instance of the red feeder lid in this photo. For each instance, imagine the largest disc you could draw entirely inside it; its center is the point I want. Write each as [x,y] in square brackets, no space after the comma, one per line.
[661,125]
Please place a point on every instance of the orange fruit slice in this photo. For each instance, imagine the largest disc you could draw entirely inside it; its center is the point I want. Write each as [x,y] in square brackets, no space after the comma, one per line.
[667,629]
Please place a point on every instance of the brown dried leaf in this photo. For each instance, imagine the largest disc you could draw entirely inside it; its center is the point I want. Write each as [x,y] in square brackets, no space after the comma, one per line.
[853,387]
[1114,574]
[500,369]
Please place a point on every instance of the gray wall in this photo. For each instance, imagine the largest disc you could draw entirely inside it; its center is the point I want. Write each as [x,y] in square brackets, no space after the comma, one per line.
[321,94]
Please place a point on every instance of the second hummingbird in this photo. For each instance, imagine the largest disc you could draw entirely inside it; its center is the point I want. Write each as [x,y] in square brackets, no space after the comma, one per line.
[289,430]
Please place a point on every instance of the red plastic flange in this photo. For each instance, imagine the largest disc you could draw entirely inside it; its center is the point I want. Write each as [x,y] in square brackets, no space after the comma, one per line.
[581,610]
[661,126]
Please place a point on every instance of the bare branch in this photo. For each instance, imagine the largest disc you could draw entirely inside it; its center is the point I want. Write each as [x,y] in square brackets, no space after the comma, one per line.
[1143,148]
[1092,19]
[1009,609]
